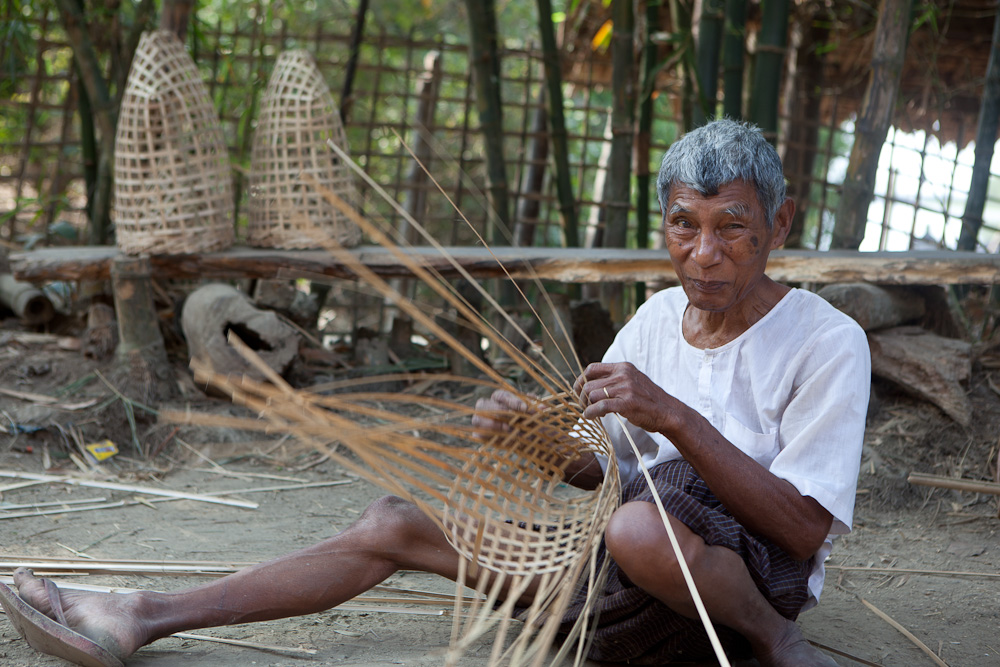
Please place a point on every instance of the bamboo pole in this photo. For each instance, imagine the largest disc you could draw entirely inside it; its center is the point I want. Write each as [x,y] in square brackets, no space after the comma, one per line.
[643,137]
[346,99]
[769,67]
[27,301]
[485,64]
[557,125]
[710,30]
[617,186]
[733,58]
[986,134]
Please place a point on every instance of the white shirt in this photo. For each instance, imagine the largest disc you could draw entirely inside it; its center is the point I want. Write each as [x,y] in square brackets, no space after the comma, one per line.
[791,392]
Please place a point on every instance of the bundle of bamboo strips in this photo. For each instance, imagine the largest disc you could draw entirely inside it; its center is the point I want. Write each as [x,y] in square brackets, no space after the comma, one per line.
[498,497]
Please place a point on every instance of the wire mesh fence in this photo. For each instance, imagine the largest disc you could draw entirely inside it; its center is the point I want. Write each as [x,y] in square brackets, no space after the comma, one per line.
[414,97]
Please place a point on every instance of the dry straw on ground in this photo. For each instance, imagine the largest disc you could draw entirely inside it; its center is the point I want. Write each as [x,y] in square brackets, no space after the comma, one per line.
[173,187]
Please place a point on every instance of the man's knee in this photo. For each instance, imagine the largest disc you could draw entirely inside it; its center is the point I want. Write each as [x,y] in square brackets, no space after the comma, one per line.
[389,511]
[638,542]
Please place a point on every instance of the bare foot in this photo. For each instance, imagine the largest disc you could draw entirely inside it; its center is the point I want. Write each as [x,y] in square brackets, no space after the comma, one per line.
[792,650]
[108,619]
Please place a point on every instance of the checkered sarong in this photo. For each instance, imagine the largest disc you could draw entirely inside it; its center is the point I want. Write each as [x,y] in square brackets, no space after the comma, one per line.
[634,627]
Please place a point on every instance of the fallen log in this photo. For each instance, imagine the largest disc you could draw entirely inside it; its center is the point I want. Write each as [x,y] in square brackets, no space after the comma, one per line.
[874,306]
[927,365]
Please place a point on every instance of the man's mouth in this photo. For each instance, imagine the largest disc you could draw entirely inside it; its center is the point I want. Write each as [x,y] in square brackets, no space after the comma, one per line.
[708,285]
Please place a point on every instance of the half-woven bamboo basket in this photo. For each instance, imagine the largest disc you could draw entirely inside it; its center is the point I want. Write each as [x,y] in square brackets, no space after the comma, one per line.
[297,117]
[498,497]
[173,185]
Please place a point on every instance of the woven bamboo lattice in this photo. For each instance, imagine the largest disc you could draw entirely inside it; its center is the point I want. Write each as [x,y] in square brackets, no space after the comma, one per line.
[173,186]
[297,117]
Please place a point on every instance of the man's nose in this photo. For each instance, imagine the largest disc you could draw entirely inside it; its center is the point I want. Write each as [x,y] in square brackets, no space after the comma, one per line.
[707,250]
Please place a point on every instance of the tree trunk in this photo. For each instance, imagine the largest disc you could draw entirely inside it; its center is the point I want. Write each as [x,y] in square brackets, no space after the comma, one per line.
[485,64]
[557,125]
[769,67]
[986,135]
[733,52]
[104,114]
[709,44]
[175,16]
[873,123]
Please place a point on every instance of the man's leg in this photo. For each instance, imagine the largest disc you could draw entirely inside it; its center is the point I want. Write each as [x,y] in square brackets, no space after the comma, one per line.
[638,542]
[390,535]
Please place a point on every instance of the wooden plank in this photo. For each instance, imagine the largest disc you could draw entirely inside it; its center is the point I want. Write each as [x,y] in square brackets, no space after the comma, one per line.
[572,265]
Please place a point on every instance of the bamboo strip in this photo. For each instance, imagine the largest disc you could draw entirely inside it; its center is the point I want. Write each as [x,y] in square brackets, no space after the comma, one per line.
[67,510]
[974,486]
[112,486]
[4,507]
[906,633]
[688,579]
[903,570]
[239,642]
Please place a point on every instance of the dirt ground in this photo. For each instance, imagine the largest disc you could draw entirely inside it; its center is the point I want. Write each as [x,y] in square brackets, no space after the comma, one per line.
[917,531]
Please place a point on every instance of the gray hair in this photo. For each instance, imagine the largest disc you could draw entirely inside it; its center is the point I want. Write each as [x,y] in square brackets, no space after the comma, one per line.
[714,155]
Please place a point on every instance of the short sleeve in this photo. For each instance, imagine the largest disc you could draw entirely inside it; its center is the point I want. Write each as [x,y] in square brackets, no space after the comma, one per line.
[821,433]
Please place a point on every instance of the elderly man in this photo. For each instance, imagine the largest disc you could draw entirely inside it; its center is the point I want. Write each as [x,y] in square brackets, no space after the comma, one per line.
[746,399]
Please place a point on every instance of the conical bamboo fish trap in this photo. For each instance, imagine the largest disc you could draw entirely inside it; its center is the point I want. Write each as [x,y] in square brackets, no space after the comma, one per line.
[297,117]
[173,186]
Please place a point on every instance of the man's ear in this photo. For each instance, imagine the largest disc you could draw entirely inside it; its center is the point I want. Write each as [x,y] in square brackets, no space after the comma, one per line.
[782,223]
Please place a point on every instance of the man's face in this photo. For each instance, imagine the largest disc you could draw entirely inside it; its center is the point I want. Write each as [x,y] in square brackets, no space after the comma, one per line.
[719,244]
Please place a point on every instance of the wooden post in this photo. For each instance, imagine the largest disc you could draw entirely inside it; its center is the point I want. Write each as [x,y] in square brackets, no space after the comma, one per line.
[874,118]
[139,334]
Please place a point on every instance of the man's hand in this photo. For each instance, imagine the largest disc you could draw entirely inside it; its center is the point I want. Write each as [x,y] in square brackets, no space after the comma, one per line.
[487,418]
[624,389]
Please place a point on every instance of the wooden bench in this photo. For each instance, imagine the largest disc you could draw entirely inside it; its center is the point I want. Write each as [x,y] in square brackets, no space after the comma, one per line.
[569,265]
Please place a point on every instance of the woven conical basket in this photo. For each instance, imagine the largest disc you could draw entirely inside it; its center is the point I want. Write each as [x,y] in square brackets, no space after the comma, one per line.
[173,185]
[290,156]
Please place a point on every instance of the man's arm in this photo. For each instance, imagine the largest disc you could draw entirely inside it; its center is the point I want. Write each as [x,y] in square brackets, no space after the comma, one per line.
[765,504]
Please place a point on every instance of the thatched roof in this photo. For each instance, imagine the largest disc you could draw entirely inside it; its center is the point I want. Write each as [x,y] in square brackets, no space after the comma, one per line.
[942,80]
